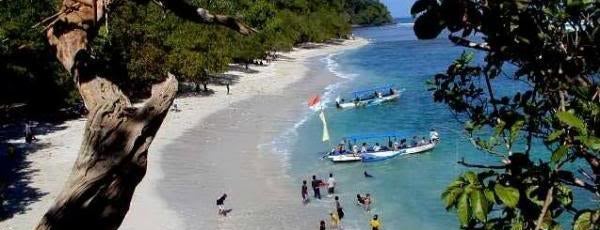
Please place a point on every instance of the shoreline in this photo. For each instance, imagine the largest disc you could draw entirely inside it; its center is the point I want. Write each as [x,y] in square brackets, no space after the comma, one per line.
[49,166]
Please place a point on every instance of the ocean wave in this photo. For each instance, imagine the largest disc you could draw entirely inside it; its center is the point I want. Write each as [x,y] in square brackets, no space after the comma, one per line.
[405,24]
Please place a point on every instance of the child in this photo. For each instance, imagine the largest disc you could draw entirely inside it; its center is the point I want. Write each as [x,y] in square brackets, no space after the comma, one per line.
[304,192]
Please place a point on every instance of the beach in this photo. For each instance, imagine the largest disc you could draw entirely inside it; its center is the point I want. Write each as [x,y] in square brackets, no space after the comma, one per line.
[212,146]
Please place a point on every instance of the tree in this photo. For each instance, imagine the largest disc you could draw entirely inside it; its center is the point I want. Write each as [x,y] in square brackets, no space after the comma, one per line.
[553,48]
[112,158]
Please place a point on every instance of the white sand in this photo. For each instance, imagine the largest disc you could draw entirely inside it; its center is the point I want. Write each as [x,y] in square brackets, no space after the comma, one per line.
[148,210]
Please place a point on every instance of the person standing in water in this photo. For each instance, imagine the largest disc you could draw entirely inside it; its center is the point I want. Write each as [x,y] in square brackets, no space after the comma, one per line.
[375,224]
[322,225]
[304,192]
[339,209]
[221,203]
[331,184]
[315,186]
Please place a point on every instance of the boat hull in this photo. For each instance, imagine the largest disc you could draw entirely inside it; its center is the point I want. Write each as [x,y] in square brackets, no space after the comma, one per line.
[345,158]
[381,155]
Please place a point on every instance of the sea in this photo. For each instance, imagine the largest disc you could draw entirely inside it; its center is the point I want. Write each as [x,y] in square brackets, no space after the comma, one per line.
[407,189]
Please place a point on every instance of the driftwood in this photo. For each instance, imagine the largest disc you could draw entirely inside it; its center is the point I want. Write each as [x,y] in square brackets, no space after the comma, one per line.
[113,154]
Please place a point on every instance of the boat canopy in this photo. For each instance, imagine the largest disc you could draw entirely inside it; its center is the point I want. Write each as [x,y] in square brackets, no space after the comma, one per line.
[399,134]
[363,92]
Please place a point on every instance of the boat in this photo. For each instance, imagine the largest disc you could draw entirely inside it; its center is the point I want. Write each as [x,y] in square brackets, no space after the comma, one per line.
[367,97]
[340,155]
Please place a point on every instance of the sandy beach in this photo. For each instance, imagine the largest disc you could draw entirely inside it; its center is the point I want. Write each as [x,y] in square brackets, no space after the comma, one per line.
[210,147]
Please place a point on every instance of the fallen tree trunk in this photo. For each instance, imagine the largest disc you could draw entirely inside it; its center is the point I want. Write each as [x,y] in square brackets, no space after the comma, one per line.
[113,154]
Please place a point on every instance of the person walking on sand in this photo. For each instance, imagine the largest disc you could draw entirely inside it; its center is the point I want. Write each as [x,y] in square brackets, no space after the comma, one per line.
[29,136]
[227,88]
[221,203]
[315,186]
[304,192]
[375,224]
[331,184]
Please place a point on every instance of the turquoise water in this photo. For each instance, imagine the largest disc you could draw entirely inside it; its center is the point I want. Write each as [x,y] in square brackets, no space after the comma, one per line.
[406,189]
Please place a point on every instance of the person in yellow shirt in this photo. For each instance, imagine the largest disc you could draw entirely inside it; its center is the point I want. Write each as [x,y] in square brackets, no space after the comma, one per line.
[335,220]
[375,225]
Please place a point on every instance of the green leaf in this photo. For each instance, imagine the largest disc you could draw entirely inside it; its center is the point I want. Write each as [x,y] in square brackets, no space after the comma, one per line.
[449,196]
[517,224]
[471,177]
[532,194]
[559,154]
[583,220]
[508,195]
[489,195]
[554,135]
[464,213]
[480,205]
[571,120]
[564,195]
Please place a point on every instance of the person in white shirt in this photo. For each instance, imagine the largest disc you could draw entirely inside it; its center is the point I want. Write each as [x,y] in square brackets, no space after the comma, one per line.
[376,147]
[330,184]
[396,145]
[355,149]
[423,141]
[363,149]
[434,135]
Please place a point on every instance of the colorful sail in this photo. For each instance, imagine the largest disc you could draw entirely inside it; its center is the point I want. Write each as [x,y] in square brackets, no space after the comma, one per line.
[325,130]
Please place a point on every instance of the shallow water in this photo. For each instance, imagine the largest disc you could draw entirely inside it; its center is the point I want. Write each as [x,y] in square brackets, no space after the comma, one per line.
[406,189]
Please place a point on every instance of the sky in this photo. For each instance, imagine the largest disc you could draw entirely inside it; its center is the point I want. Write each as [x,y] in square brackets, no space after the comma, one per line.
[399,8]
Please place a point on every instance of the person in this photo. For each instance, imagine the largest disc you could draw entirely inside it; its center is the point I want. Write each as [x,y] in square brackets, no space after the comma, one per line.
[335,220]
[331,184]
[364,148]
[29,136]
[304,192]
[360,200]
[339,209]
[423,141]
[376,147]
[434,136]
[355,149]
[221,203]
[227,85]
[322,225]
[315,186]
[414,141]
[375,224]
[403,144]
[368,202]
[367,174]
[396,145]
[391,91]
[11,151]
[340,149]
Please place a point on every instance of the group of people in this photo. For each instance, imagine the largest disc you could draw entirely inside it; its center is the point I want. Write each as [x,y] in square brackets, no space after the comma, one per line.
[395,145]
[338,214]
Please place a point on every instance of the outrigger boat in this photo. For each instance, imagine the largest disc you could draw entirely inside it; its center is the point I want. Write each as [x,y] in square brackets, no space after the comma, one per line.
[368,97]
[378,153]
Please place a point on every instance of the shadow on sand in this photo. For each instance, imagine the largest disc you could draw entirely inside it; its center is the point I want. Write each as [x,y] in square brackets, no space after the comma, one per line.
[16,190]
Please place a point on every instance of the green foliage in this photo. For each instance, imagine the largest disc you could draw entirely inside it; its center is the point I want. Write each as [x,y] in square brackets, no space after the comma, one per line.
[552,46]
[368,12]
[141,42]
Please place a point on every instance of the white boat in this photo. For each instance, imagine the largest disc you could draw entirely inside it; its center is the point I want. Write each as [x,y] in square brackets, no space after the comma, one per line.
[385,153]
[368,97]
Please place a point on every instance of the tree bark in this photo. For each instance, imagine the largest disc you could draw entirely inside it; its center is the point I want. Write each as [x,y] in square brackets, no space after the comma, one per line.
[112,157]
[113,154]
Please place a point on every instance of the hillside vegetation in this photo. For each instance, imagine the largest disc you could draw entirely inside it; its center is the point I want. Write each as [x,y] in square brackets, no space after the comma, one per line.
[140,34]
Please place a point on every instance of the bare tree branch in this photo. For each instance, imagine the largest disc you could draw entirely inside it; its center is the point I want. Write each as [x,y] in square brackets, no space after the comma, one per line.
[187,11]
[462,162]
